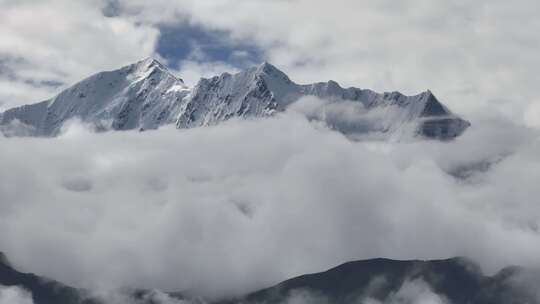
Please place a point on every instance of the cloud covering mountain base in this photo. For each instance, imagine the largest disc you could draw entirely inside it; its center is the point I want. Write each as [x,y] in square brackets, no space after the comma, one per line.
[14,295]
[229,209]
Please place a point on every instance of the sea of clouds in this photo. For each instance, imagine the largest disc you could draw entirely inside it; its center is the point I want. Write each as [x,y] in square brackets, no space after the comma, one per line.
[231,208]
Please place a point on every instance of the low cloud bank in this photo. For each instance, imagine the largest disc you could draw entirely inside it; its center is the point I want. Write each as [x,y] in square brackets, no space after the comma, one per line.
[228,209]
[411,292]
[14,295]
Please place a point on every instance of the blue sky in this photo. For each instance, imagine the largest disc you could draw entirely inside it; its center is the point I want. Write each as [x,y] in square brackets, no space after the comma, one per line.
[184,41]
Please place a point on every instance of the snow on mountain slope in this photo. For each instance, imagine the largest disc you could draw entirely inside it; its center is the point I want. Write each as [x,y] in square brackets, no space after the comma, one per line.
[264,90]
[145,96]
[256,92]
[142,95]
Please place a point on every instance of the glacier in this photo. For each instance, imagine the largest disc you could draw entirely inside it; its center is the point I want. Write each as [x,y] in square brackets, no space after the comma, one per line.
[146,95]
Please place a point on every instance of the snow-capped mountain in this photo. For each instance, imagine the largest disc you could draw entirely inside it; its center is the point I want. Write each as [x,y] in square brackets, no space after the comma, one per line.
[141,95]
[145,95]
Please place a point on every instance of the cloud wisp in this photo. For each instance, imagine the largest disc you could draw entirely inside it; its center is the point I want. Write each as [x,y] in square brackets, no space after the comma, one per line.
[14,295]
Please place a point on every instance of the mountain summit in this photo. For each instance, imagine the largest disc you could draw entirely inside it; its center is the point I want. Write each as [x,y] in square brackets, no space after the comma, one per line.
[140,95]
[145,95]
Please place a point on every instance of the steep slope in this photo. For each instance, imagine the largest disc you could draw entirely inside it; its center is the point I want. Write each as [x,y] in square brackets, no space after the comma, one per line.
[142,95]
[145,96]
[256,92]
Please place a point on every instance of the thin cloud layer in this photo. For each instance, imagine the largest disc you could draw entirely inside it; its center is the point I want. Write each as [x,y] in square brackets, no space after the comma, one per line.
[239,206]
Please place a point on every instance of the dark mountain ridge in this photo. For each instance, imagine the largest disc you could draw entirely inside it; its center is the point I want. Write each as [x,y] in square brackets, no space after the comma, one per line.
[455,280]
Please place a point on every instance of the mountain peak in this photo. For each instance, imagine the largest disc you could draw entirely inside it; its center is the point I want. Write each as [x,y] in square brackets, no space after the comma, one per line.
[270,70]
[144,67]
[433,106]
[266,67]
[143,95]
[149,62]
